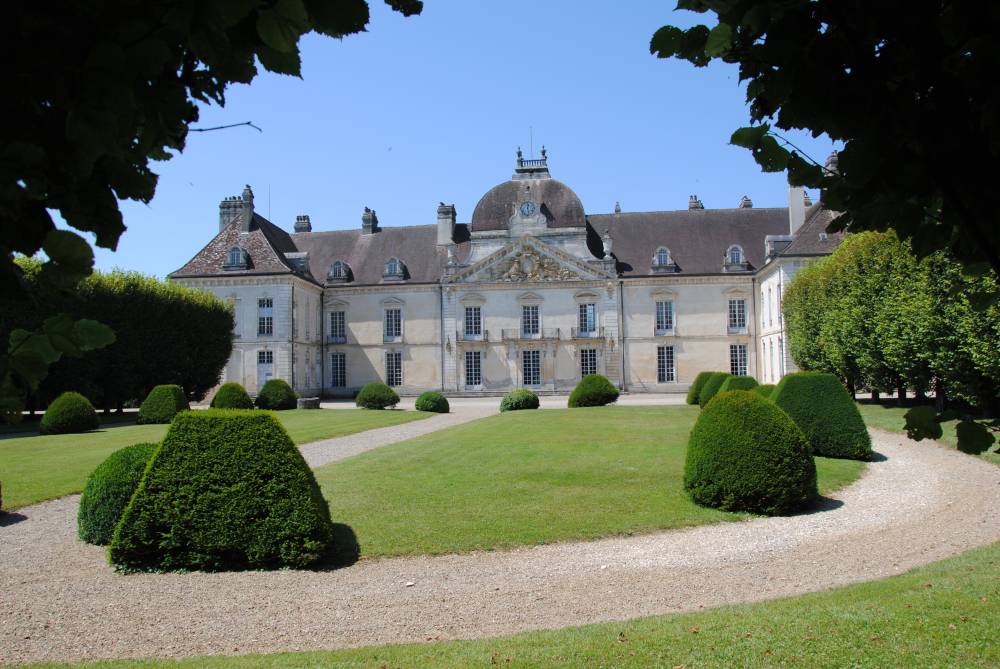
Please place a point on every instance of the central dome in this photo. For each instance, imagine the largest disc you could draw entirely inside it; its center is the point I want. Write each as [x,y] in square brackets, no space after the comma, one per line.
[554,199]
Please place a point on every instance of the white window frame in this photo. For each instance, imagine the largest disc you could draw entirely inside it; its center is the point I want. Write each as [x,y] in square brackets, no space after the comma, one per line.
[473,322]
[265,357]
[664,317]
[737,315]
[392,324]
[535,379]
[393,368]
[662,257]
[666,364]
[588,361]
[531,320]
[738,359]
[338,325]
[587,318]
[338,368]
[735,255]
[265,317]
[473,370]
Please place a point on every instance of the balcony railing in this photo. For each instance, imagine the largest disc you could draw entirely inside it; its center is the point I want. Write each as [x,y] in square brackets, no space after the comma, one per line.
[336,339]
[462,335]
[518,334]
[592,333]
[737,329]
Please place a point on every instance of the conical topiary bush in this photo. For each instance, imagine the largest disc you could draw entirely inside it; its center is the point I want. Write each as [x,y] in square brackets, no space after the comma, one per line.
[162,404]
[821,406]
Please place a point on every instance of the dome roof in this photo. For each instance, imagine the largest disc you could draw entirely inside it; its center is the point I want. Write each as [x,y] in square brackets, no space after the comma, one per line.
[557,201]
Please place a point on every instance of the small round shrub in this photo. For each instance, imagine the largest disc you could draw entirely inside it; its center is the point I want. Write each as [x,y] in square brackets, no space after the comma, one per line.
[231,396]
[764,390]
[738,383]
[276,395]
[432,401]
[519,399]
[695,390]
[376,396]
[711,387]
[823,409]
[746,454]
[108,491]
[162,404]
[70,412]
[593,390]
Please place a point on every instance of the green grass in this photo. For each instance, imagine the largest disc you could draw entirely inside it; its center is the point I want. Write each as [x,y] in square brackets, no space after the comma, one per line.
[36,468]
[942,615]
[891,419]
[528,477]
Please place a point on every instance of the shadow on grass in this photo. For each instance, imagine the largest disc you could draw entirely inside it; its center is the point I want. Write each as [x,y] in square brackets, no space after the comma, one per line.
[346,549]
[11,518]
[973,438]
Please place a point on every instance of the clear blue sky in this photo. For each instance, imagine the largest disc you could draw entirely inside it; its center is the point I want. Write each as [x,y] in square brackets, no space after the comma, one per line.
[432,108]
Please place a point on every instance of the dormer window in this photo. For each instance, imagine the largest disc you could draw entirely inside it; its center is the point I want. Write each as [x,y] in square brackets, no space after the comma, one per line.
[339,272]
[662,256]
[394,269]
[735,254]
[663,261]
[237,258]
[736,260]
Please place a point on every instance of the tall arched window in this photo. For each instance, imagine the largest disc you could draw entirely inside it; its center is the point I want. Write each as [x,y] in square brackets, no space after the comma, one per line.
[735,255]
[662,256]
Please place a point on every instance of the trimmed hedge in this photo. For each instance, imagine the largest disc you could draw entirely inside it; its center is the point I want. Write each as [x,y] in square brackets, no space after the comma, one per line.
[518,400]
[108,491]
[593,390]
[738,383]
[232,396]
[376,396]
[432,401]
[746,454]
[765,390]
[276,395]
[711,387]
[695,390]
[162,404]
[821,406]
[226,490]
[68,413]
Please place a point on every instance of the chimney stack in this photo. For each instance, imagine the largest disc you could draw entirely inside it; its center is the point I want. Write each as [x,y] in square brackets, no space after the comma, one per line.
[229,209]
[695,203]
[369,222]
[247,212]
[746,202]
[446,224]
[796,208]
[303,224]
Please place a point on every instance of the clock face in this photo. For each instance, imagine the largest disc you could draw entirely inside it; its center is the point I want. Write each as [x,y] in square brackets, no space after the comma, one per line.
[527,208]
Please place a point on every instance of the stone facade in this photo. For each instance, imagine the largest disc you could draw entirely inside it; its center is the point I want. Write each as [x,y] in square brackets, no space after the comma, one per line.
[532,292]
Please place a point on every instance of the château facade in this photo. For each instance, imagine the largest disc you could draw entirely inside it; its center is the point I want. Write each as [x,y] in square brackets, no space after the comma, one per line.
[532,292]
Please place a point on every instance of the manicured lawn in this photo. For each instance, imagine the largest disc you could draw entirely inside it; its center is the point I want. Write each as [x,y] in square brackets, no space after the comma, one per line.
[891,419]
[942,615]
[528,477]
[35,468]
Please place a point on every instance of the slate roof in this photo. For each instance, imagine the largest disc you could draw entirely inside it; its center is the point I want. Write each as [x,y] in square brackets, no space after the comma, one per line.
[561,206]
[265,245]
[697,238]
[807,240]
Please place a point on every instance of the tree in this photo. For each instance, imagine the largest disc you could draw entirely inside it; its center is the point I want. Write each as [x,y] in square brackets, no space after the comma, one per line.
[908,87]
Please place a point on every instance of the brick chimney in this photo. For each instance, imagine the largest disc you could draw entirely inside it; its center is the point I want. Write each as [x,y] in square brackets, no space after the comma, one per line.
[446,224]
[369,222]
[695,203]
[247,209]
[303,224]
[229,209]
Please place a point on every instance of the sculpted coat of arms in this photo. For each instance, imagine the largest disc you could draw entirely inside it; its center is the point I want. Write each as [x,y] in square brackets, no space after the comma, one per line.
[528,265]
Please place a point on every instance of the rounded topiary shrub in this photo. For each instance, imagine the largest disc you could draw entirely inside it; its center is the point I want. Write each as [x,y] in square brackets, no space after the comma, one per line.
[711,387]
[276,395]
[162,404]
[432,401]
[738,383]
[226,490]
[231,396]
[695,390]
[376,396]
[70,412]
[593,390]
[108,491]
[746,454]
[764,389]
[517,400]
[821,406]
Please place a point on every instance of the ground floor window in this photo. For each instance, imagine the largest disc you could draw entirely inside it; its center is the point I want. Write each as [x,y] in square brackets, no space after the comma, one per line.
[531,367]
[588,361]
[473,368]
[394,368]
[738,359]
[265,357]
[665,370]
[338,370]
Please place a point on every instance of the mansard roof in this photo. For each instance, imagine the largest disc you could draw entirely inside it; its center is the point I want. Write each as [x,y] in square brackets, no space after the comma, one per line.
[265,244]
[812,238]
[697,238]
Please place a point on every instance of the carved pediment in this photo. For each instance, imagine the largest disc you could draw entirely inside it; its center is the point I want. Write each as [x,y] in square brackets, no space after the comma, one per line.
[527,260]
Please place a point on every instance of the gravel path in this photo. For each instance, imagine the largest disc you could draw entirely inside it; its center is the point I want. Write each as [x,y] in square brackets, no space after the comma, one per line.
[61,601]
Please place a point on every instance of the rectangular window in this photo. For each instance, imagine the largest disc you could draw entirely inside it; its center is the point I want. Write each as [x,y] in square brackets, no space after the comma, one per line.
[265,317]
[337,330]
[664,317]
[588,361]
[473,369]
[338,370]
[393,368]
[588,318]
[473,322]
[738,359]
[665,370]
[737,314]
[265,357]
[529,320]
[393,324]
[531,367]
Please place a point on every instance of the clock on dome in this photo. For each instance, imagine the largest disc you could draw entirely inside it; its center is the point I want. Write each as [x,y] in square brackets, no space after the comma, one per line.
[528,208]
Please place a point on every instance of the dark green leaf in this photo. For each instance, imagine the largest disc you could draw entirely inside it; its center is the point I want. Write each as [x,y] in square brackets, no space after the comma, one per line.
[666,42]
[719,40]
[749,137]
[89,334]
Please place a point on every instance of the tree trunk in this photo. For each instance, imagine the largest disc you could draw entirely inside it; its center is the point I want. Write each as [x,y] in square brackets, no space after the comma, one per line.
[939,398]
[875,395]
[900,393]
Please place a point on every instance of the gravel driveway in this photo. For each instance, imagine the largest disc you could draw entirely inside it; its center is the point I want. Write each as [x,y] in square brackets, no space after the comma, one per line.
[61,601]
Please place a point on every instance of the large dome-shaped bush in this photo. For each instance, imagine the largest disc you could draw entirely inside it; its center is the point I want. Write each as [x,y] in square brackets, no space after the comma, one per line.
[108,491]
[276,395]
[162,404]
[231,396]
[821,406]
[433,402]
[711,387]
[376,396]
[70,412]
[695,389]
[746,454]
[738,383]
[593,390]
[518,400]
